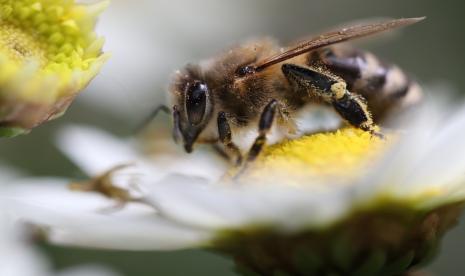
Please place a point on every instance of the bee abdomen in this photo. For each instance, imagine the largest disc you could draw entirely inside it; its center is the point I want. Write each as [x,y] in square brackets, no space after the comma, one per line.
[386,87]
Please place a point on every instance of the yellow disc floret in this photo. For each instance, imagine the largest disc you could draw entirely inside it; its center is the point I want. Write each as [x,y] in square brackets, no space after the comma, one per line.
[338,155]
[20,47]
[48,51]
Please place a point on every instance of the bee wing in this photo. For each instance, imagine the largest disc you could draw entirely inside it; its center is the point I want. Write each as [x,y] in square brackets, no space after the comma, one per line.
[347,24]
[334,37]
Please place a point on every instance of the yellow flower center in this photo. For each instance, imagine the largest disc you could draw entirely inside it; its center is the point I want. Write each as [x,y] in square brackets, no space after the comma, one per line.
[343,155]
[48,31]
[20,46]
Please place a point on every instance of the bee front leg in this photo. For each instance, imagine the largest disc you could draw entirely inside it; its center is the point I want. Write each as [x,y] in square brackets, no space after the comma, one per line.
[224,132]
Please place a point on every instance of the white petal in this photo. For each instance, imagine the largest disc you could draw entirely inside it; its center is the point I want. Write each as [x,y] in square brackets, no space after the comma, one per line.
[93,150]
[444,162]
[18,259]
[75,218]
[428,157]
[219,207]
[96,151]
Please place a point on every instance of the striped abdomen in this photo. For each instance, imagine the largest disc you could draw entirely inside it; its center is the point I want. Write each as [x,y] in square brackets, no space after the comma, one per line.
[386,87]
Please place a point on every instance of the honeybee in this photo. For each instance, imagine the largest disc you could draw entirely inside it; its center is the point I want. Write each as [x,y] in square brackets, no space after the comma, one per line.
[258,87]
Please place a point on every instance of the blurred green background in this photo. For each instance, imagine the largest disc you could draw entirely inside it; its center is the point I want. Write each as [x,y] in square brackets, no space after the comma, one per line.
[149,39]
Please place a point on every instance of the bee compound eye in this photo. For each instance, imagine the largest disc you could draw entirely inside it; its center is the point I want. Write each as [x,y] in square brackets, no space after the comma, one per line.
[196,102]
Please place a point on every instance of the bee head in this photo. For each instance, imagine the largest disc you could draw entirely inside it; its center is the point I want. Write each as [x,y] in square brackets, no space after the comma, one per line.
[192,106]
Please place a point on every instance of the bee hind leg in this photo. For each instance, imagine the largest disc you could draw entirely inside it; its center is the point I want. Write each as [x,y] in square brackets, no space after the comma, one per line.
[354,110]
[351,107]
[224,131]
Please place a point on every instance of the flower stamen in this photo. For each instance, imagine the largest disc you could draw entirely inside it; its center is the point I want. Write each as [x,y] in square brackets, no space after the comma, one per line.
[103,184]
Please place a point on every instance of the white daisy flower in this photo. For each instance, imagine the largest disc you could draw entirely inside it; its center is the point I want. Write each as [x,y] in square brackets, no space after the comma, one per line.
[17,256]
[339,203]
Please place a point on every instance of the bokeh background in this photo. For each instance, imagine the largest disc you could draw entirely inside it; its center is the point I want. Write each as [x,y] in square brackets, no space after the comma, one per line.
[149,39]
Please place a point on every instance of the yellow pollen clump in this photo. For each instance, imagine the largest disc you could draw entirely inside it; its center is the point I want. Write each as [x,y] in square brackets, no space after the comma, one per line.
[339,89]
[343,154]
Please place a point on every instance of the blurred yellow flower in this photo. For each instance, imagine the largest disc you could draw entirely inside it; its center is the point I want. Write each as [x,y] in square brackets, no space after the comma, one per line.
[48,52]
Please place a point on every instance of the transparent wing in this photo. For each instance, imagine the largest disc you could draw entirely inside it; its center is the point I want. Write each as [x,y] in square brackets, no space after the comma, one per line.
[334,37]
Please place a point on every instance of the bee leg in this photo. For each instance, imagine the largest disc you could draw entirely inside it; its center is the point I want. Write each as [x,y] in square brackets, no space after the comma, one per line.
[264,125]
[352,107]
[354,110]
[224,131]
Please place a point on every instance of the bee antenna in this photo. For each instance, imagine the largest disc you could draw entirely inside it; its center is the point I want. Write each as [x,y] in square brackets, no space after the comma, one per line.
[151,117]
